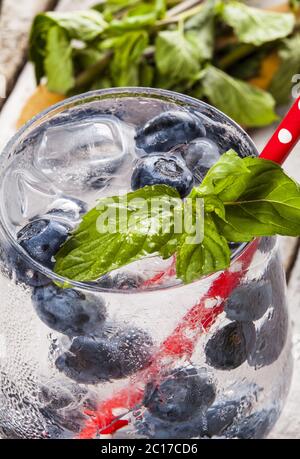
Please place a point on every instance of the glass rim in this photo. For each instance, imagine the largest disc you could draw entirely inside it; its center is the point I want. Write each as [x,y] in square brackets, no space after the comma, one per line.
[87,97]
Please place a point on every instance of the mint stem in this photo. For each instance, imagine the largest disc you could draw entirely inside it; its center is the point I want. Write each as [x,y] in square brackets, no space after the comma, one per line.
[240,52]
[88,76]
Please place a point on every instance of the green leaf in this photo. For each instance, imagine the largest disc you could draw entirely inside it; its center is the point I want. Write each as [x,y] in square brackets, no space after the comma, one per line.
[247,105]
[268,204]
[200,30]
[227,178]
[86,57]
[243,198]
[196,260]
[203,40]
[128,50]
[83,25]
[176,57]
[89,254]
[58,61]
[289,54]
[129,23]
[256,26]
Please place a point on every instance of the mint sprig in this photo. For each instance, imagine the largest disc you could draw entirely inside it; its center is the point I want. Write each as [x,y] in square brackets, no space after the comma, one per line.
[243,198]
[200,49]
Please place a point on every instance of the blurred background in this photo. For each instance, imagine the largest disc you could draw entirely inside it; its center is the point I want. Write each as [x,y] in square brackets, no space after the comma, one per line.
[212,49]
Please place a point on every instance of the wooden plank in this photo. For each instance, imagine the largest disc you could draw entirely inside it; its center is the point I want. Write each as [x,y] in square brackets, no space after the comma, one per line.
[15,23]
[288,425]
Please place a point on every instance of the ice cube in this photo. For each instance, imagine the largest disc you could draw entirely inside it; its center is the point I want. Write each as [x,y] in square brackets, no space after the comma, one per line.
[27,194]
[83,154]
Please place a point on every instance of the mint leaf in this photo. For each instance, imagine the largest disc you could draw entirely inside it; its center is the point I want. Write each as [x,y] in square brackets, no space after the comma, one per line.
[89,254]
[268,205]
[256,26]
[58,61]
[128,49]
[129,23]
[176,57]
[200,30]
[225,179]
[289,55]
[203,40]
[258,197]
[244,103]
[243,198]
[82,25]
[196,260]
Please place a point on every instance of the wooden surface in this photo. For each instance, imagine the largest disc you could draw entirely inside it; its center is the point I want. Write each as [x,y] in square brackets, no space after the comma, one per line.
[288,425]
[15,23]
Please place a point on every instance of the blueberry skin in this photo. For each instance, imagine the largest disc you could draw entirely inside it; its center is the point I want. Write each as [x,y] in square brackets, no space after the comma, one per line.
[181,395]
[272,333]
[200,155]
[169,129]
[121,281]
[249,302]
[149,426]
[69,311]
[159,169]
[255,426]
[41,239]
[92,360]
[229,347]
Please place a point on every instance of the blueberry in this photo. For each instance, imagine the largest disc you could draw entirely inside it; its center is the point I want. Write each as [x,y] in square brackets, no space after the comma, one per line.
[227,136]
[250,301]
[180,395]
[23,270]
[229,347]
[63,406]
[255,426]
[41,239]
[271,334]
[200,155]
[158,169]
[167,130]
[149,426]
[92,360]
[69,311]
[220,417]
[271,337]
[121,281]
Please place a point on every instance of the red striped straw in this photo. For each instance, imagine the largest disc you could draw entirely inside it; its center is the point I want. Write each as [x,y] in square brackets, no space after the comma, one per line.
[285,137]
[182,341]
